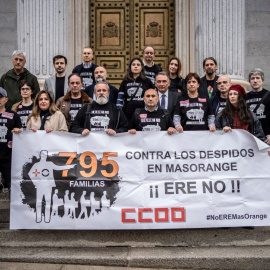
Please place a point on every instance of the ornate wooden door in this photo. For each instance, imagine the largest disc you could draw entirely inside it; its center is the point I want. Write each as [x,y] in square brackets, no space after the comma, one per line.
[120,29]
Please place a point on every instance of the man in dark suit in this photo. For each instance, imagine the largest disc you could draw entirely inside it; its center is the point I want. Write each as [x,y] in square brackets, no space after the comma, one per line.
[167,99]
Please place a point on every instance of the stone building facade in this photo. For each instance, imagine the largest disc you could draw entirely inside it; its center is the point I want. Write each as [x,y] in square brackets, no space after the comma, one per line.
[235,32]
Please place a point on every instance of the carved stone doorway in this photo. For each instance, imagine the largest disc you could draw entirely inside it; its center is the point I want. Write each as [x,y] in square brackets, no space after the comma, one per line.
[120,29]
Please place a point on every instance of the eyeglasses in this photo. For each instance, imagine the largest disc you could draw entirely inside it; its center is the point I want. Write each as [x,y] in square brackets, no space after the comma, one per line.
[150,96]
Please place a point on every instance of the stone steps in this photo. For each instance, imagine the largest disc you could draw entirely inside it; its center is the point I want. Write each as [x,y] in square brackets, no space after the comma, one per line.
[46,266]
[228,248]
[248,258]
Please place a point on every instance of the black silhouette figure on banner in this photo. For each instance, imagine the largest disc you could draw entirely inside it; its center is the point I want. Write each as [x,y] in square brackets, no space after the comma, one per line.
[42,177]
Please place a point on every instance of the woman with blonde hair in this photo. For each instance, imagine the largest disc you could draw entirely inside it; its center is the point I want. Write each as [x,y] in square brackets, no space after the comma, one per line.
[45,115]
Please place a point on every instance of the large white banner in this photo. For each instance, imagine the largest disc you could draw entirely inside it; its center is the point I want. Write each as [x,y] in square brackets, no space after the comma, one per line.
[145,181]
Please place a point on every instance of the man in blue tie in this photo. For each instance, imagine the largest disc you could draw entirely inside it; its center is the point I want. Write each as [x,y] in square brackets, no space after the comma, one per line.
[167,99]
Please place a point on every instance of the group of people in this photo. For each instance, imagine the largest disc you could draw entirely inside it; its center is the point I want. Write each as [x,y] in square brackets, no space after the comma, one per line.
[148,99]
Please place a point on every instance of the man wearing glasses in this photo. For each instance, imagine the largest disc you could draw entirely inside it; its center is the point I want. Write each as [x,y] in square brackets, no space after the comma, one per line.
[10,81]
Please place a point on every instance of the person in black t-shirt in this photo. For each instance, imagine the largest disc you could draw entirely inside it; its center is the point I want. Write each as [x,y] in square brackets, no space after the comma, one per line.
[151,69]
[174,70]
[9,122]
[72,102]
[24,108]
[131,91]
[101,115]
[208,85]
[87,68]
[193,112]
[151,117]
[57,85]
[259,100]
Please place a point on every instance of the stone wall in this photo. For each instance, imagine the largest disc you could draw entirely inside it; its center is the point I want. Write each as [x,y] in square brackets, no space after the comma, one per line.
[8,33]
[258,38]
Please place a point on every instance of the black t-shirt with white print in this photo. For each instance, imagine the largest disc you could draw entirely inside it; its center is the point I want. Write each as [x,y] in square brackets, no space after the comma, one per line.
[75,106]
[100,116]
[8,121]
[23,112]
[151,121]
[194,112]
[263,111]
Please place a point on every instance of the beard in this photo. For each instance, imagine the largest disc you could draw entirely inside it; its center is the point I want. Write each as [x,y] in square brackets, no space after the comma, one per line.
[102,100]
[100,79]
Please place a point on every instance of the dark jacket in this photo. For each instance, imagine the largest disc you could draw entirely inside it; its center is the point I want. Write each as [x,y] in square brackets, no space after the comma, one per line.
[203,87]
[255,128]
[118,121]
[10,82]
[215,102]
[173,100]
[63,103]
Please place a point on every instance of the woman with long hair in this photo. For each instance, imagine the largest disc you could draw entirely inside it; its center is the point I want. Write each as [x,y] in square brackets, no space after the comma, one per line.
[45,115]
[132,88]
[174,70]
[24,107]
[237,115]
[193,112]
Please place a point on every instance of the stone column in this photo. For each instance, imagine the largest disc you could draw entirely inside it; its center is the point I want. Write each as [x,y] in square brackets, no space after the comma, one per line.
[220,32]
[42,33]
[184,34]
[78,31]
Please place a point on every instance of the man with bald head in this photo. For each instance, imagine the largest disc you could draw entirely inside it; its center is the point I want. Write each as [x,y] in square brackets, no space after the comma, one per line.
[151,117]
[100,75]
[87,68]
[218,101]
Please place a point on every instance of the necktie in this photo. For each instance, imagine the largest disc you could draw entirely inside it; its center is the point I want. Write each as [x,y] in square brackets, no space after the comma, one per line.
[162,105]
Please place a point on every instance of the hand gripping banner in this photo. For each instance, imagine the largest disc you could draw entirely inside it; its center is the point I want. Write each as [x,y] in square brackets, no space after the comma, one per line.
[145,181]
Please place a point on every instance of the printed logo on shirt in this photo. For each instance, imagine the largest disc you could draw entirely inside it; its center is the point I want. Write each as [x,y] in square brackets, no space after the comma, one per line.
[9,144]
[202,99]
[151,120]
[260,111]
[151,128]
[3,133]
[20,106]
[8,115]
[143,115]
[99,123]
[24,121]
[132,90]
[195,114]
[184,102]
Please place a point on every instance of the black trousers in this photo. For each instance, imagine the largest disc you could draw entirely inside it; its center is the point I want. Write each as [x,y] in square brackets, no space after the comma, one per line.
[5,169]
